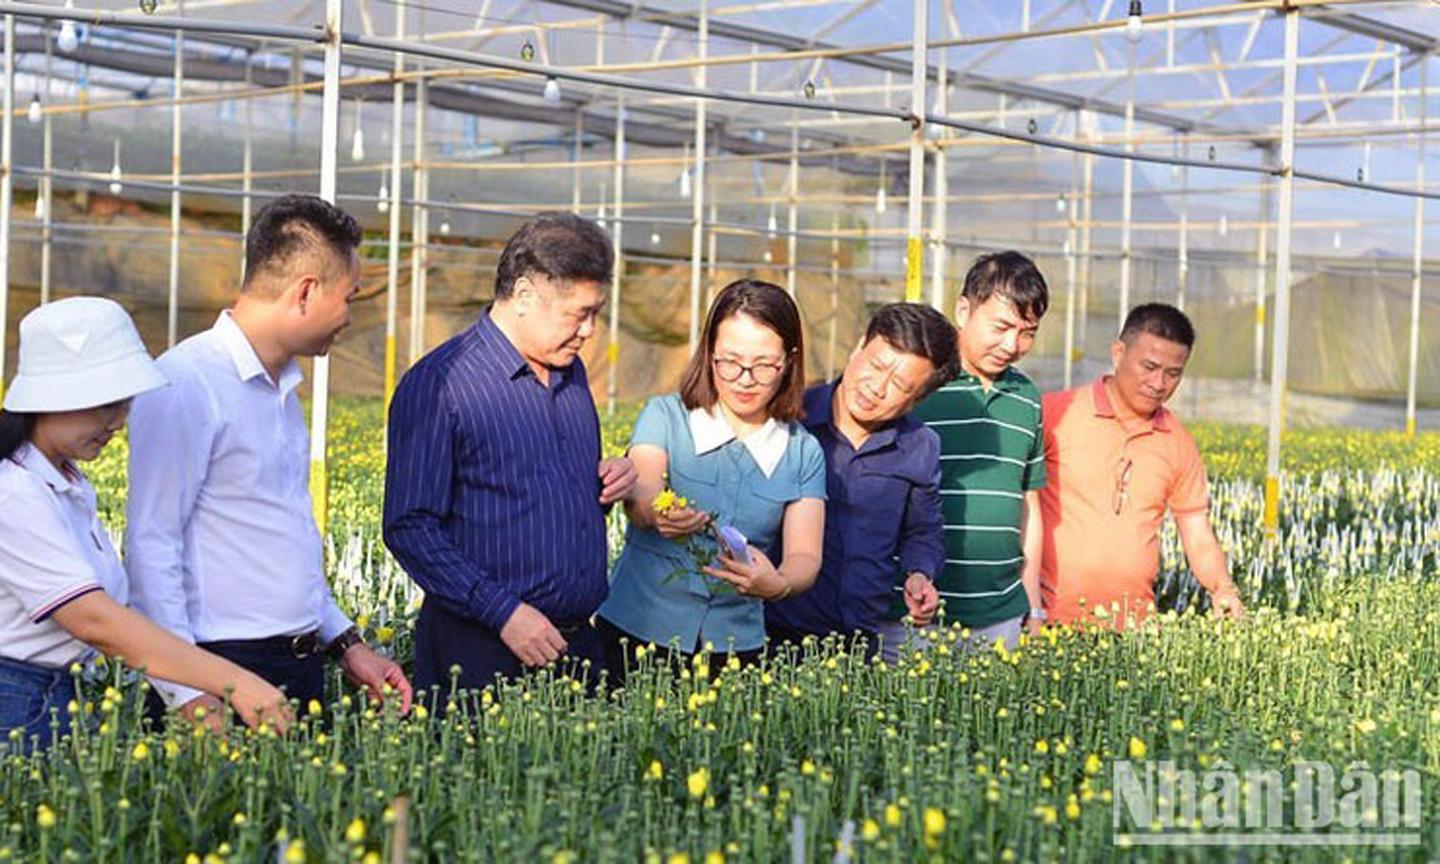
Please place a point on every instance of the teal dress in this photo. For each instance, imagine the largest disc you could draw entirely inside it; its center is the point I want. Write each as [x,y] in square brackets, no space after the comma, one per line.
[656,593]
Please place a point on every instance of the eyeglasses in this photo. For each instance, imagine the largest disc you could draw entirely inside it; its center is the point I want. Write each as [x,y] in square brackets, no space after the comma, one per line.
[761,373]
[1121,496]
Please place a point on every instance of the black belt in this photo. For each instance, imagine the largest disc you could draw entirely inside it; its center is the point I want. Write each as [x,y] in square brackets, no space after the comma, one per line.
[300,646]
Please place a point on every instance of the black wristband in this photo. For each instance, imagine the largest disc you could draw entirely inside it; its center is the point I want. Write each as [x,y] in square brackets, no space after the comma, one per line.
[342,643]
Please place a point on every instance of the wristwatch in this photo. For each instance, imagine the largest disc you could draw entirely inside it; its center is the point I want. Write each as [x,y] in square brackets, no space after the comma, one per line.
[342,643]
[1038,613]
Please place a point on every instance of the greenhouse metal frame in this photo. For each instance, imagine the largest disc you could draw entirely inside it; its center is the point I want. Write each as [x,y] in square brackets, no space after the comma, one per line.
[819,120]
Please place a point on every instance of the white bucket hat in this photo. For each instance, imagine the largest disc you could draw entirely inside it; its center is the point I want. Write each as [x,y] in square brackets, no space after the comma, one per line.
[78,353]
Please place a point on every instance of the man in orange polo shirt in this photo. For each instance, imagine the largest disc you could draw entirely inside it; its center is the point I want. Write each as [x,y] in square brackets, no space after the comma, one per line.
[1117,459]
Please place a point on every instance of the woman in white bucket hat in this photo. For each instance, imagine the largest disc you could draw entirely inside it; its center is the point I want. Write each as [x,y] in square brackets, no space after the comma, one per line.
[62,588]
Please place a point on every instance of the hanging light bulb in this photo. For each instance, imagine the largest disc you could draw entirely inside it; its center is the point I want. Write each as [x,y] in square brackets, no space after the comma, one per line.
[1134,25]
[1336,241]
[527,51]
[115,186]
[552,91]
[1060,204]
[1224,225]
[809,89]
[357,141]
[771,224]
[769,256]
[881,205]
[39,207]
[68,40]
[445,226]
[148,6]
[686,183]
[383,204]
[601,214]
[654,238]
[34,113]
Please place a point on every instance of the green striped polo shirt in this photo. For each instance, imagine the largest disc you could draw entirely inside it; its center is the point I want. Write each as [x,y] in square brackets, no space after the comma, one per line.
[992,451]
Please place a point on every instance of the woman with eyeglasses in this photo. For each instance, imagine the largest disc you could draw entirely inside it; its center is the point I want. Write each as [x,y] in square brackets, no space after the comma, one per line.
[62,589]
[730,445]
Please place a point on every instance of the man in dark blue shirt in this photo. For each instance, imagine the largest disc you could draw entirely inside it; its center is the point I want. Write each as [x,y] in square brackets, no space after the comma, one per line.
[883,526]
[495,492]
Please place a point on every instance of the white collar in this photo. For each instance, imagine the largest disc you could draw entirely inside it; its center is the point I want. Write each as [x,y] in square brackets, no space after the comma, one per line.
[29,457]
[710,430]
[247,362]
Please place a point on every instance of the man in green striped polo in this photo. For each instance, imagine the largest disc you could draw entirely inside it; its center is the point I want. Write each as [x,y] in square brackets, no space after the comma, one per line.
[992,456]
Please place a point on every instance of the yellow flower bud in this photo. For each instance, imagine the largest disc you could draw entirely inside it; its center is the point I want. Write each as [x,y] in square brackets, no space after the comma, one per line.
[698,782]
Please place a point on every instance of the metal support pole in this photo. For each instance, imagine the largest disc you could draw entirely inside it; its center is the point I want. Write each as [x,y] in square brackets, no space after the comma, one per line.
[1083,312]
[47,183]
[793,220]
[1070,280]
[939,222]
[1280,346]
[397,181]
[7,144]
[1417,277]
[697,187]
[1182,258]
[172,321]
[577,172]
[419,227]
[914,211]
[1262,256]
[248,160]
[712,260]
[612,348]
[1127,201]
[320,370]
[834,294]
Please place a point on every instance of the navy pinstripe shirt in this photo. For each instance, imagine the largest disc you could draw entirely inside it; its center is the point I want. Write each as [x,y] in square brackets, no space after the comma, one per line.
[492,486]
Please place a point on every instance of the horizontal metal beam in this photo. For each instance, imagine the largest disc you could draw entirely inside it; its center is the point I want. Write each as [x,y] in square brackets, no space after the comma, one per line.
[1362,25]
[466,58]
[1015,90]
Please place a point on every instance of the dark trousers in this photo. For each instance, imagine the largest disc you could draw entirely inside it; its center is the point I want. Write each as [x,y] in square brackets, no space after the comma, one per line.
[620,654]
[444,639]
[302,678]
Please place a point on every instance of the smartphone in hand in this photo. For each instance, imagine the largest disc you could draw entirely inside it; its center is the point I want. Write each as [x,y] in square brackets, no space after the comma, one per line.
[733,543]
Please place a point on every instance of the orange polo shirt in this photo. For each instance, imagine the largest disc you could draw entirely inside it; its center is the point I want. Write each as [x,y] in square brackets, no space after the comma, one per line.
[1109,487]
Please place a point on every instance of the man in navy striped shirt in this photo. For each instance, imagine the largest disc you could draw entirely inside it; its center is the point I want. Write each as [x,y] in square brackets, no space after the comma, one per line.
[495,492]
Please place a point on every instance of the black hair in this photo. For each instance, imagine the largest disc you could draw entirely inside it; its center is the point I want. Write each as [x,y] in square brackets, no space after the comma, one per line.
[913,328]
[293,223]
[15,430]
[559,246]
[1011,275]
[1161,320]
[773,307]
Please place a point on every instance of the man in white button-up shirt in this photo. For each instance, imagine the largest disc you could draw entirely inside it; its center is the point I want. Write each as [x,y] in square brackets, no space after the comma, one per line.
[221,543]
